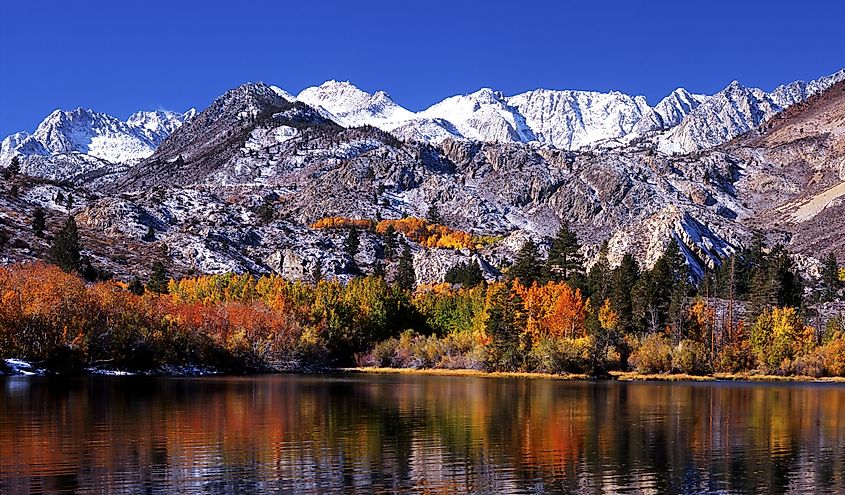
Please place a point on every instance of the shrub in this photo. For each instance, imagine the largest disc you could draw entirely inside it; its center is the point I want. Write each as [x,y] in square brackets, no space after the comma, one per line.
[691,357]
[561,355]
[735,357]
[654,355]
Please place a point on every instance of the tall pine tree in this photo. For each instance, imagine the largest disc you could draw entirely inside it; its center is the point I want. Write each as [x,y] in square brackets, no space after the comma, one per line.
[159,279]
[39,221]
[599,280]
[389,241]
[527,266]
[830,278]
[66,250]
[406,277]
[565,263]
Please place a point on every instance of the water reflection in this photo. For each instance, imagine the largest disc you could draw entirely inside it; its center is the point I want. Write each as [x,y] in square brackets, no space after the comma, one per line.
[389,434]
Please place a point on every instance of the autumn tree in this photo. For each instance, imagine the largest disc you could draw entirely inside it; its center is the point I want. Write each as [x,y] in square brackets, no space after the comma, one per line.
[778,335]
[39,221]
[66,249]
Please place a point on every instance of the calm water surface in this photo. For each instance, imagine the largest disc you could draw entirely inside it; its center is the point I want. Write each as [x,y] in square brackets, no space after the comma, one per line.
[416,434]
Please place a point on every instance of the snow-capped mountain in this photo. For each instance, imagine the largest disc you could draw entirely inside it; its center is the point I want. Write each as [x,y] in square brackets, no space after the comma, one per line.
[353,107]
[95,134]
[566,119]
[574,119]
[735,110]
[482,116]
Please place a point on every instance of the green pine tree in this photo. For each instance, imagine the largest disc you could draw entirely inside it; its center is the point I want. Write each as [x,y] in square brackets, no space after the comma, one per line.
[135,286]
[504,326]
[623,280]
[150,236]
[14,168]
[433,215]
[39,221]
[352,243]
[830,278]
[406,277]
[565,261]
[527,266]
[466,274]
[66,249]
[159,279]
[317,272]
[599,280]
[389,241]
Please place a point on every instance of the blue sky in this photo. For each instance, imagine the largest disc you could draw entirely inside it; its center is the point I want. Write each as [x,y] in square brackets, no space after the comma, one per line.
[122,56]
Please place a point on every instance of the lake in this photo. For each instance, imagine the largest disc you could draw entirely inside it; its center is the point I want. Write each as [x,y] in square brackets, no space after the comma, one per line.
[417,434]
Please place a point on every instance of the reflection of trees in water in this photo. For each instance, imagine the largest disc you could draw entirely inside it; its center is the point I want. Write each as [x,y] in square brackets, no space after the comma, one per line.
[397,433]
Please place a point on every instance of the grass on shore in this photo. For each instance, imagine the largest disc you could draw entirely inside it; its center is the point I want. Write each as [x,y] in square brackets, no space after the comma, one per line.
[613,375]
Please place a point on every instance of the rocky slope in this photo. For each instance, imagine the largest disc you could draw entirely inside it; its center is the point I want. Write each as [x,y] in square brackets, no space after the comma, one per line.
[80,145]
[237,186]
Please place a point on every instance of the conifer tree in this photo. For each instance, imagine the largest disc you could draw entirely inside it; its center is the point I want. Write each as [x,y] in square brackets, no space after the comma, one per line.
[389,240]
[599,280]
[527,266]
[406,277]
[39,221]
[14,168]
[564,262]
[66,250]
[135,286]
[624,279]
[317,272]
[433,215]
[378,269]
[830,278]
[504,326]
[150,236]
[159,279]
[466,274]
[353,241]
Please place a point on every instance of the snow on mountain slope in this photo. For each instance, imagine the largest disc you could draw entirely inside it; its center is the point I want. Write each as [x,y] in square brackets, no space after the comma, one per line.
[735,110]
[98,135]
[484,116]
[678,105]
[354,107]
[574,119]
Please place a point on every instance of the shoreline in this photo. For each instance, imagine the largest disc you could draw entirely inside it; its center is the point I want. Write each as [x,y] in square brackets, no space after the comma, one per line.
[15,367]
[621,376]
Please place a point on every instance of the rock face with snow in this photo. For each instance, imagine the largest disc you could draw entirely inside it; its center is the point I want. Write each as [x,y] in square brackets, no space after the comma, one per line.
[352,107]
[735,110]
[238,186]
[70,144]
